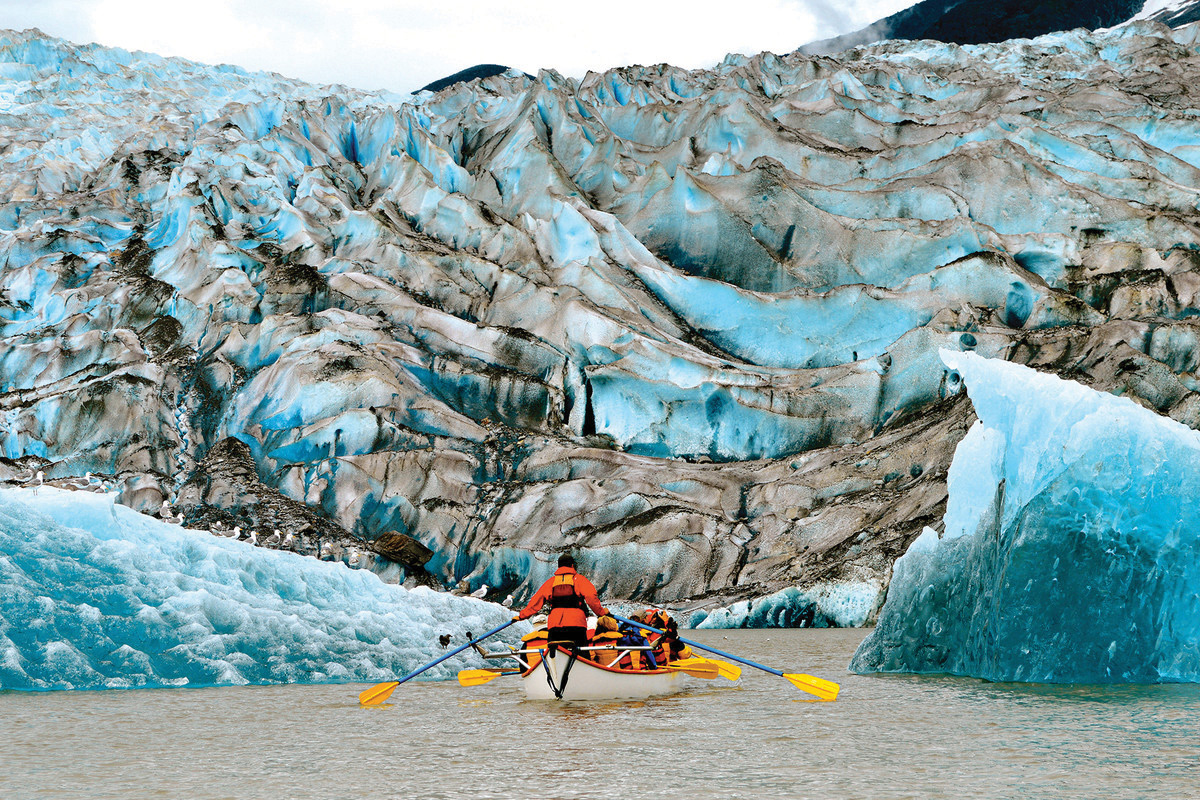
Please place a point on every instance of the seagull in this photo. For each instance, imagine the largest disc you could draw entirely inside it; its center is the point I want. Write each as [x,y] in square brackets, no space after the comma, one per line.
[253,540]
[236,533]
[273,540]
[289,540]
[354,557]
[444,640]
[165,511]
[481,592]
[507,602]
[38,480]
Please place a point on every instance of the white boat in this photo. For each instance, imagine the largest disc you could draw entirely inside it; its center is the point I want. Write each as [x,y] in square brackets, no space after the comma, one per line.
[589,680]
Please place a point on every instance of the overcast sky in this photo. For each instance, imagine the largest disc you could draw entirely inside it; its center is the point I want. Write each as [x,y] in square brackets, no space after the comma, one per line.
[403,44]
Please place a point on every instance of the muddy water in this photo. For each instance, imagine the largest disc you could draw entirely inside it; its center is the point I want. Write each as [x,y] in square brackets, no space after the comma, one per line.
[886,737]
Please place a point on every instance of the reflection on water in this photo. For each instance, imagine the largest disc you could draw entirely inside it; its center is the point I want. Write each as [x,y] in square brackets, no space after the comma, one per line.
[886,737]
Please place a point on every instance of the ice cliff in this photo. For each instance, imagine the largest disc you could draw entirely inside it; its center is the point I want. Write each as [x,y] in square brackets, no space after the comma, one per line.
[685,323]
[1069,553]
[94,595]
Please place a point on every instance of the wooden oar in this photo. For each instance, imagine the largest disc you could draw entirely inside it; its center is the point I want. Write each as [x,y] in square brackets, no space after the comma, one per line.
[819,687]
[381,691]
[728,671]
[478,677]
[706,670]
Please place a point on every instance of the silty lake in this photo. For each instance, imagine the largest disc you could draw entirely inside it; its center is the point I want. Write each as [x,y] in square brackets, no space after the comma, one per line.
[885,737]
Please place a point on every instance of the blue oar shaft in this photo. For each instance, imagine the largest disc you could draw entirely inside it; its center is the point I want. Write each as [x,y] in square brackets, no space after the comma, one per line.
[730,656]
[456,651]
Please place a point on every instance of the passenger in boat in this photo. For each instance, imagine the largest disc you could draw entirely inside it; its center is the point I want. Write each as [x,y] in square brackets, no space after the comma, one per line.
[608,632]
[668,648]
[632,636]
[569,595]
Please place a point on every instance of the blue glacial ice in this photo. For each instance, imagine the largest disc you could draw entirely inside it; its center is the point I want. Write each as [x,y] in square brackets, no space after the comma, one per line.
[1070,552]
[94,595]
[563,296]
[841,604]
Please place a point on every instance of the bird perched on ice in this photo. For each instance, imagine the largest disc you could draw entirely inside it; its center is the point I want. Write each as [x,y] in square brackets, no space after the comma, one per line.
[274,539]
[38,480]
[165,510]
[444,640]
[481,592]
[236,533]
[253,540]
[507,602]
[289,540]
[355,557]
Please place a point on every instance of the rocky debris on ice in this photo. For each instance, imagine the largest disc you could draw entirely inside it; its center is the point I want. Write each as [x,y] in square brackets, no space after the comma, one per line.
[684,323]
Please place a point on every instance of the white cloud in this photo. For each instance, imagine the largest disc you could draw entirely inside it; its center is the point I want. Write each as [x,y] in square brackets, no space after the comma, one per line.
[403,44]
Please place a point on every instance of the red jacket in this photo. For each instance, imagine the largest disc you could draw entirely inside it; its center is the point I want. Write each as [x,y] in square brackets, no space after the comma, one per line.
[570,616]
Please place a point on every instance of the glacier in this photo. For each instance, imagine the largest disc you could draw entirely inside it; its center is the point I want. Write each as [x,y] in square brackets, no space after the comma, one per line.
[1069,552]
[94,595]
[683,323]
[847,604]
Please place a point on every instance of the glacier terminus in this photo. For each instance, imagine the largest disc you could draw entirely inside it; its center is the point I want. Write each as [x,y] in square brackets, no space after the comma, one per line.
[708,330]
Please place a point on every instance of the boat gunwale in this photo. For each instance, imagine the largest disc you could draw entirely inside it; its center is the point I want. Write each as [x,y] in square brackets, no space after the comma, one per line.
[598,665]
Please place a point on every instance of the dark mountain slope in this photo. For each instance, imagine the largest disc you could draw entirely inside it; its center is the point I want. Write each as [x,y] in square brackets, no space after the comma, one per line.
[978,21]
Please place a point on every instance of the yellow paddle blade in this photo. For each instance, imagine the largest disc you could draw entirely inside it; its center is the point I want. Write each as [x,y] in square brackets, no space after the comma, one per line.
[826,690]
[706,671]
[729,671]
[377,693]
[476,677]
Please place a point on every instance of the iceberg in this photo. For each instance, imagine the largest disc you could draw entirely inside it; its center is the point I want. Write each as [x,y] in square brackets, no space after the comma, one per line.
[95,596]
[1070,552]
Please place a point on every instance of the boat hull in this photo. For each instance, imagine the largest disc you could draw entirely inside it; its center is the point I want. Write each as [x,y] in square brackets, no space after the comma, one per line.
[591,681]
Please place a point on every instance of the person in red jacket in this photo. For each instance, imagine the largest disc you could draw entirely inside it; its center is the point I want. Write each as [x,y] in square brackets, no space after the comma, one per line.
[568,594]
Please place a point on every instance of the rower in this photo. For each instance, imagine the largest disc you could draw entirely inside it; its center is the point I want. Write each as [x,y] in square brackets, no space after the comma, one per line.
[569,595]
